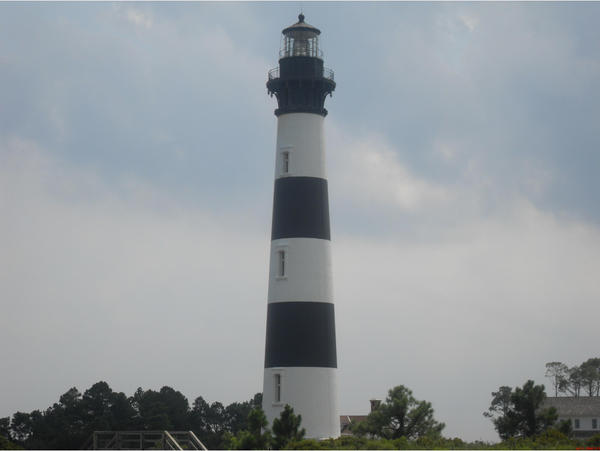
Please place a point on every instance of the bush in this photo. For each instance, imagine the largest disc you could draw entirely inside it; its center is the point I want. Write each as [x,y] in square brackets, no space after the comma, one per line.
[305,444]
[7,444]
[593,441]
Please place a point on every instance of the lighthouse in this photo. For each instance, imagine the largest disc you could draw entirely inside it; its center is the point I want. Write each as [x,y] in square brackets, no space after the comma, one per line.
[300,350]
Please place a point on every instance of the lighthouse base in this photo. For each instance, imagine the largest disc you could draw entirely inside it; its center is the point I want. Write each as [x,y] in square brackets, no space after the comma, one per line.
[312,392]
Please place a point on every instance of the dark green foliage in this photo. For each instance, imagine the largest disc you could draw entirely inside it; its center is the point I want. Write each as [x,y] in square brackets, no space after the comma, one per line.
[151,410]
[162,410]
[550,439]
[20,427]
[257,436]
[401,415]
[517,413]
[5,427]
[216,425]
[69,423]
[7,444]
[565,427]
[236,414]
[286,428]
[590,376]
[576,381]
[208,422]
[594,441]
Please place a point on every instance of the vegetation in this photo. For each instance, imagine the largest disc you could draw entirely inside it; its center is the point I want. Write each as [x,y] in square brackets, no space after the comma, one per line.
[7,444]
[257,436]
[401,415]
[70,422]
[551,439]
[576,381]
[518,414]
[286,430]
[400,422]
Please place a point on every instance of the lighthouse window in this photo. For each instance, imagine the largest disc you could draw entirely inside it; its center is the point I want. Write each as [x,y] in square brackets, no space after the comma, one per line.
[285,162]
[594,423]
[576,423]
[281,263]
[277,386]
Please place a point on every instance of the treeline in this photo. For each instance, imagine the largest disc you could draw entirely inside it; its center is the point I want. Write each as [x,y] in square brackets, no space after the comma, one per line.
[577,380]
[399,422]
[551,439]
[70,422]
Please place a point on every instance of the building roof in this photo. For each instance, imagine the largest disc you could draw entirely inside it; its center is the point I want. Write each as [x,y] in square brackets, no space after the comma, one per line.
[569,406]
[301,26]
[347,420]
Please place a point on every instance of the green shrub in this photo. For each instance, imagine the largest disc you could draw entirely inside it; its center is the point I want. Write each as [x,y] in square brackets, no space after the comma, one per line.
[7,444]
[593,441]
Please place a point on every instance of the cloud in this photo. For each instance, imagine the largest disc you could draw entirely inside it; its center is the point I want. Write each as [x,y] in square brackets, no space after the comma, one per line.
[462,288]
[456,315]
[138,17]
[111,280]
[470,21]
[368,171]
[120,271]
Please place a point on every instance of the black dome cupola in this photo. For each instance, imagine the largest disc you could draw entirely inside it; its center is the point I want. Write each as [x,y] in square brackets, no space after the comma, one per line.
[301,82]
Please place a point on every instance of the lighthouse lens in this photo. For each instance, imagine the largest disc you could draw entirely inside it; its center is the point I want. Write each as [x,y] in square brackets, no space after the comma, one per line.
[301,43]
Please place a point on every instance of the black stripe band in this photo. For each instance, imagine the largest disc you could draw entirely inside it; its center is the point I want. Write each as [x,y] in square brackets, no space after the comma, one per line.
[300,334]
[300,208]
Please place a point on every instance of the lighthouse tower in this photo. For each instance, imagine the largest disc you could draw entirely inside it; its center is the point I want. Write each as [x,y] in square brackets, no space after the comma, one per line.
[300,351]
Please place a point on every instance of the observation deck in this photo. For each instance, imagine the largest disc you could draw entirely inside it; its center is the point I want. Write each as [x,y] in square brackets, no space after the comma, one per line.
[327,73]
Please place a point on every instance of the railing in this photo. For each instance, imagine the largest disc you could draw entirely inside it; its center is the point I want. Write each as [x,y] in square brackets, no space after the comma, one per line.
[274,73]
[327,73]
[175,440]
[187,440]
[170,442]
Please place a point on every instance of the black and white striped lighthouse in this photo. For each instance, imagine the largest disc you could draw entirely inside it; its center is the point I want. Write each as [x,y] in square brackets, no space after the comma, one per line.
[300,351]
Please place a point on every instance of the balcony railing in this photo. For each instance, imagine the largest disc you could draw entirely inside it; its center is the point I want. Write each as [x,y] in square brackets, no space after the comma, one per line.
[274,73]
[327,73]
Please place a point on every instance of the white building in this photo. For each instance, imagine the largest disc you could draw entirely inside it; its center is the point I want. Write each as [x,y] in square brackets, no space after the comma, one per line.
[583,412]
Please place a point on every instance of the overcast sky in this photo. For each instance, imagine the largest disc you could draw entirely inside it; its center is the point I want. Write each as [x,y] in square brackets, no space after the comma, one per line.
[137,148]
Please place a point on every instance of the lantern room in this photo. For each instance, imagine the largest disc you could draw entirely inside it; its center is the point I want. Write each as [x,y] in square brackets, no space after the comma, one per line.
[300,39]
[300,82]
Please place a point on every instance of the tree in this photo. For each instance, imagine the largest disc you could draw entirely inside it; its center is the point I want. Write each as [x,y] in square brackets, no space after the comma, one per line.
[499,411]
[177,408]
[557,372]
[153,408]
[590,376]
[286,428]
[236,414]
[21,427]
[5,443]
[518,413]
[257,436]
[5,427]
[401,415]
[572,382]
[207,421]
